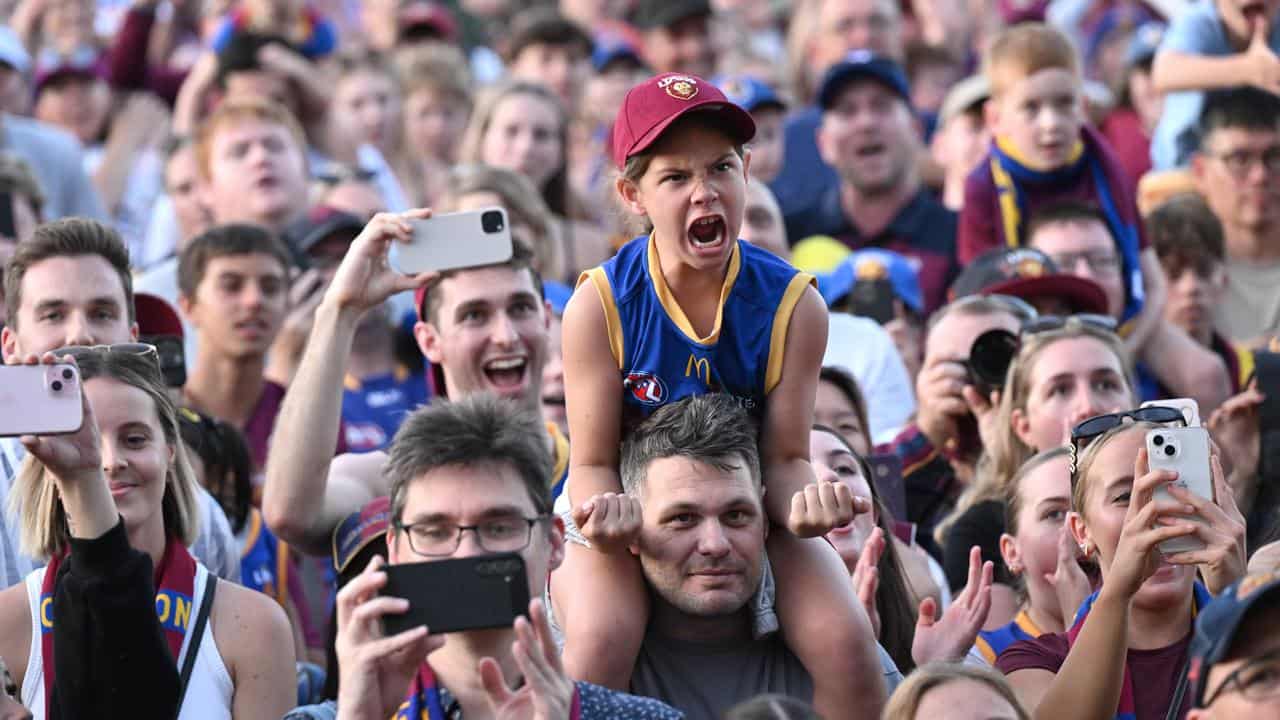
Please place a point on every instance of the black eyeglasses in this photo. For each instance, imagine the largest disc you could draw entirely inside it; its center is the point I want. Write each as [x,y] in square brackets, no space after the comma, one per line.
[440,539]
[1049,323]
[1085,432]
[1240,162]
[1256,680]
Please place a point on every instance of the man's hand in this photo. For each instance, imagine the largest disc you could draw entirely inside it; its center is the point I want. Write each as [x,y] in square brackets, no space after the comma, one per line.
[365,279]
[72,458]
[547,692]
[941,402]
[822,507]
[375,671]
[277,58]
[949,638]
[866,576]
[987,410]
[610,522]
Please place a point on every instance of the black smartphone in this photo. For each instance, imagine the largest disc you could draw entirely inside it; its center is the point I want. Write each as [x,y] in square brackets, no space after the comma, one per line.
[886,471]
[472,593]
[173,358]
[7,227]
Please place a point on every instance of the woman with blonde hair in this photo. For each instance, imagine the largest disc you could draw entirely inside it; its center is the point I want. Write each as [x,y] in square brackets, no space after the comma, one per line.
[955,692]
[1139,624]
[524,127]
[1066,369]
[105,505]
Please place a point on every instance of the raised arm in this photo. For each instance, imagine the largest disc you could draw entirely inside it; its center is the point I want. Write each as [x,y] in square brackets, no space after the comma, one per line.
[1257,66]
[295,500]
[1186,367]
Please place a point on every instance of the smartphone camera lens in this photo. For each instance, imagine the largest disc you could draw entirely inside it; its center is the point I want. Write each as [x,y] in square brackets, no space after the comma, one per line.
[491,222]
[1170,450]
[66,373]
[1157,440]
[56,385]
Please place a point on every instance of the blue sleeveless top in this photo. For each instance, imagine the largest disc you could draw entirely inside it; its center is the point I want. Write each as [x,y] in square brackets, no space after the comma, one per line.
[993,642]
[660,356]
[264,560]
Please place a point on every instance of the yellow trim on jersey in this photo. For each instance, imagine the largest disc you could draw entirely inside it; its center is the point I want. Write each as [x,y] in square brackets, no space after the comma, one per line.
[675,312]
[984,647]
[612,321]
[561,445]
[352,383]
[1007,198]
[1024,621]
[255,529]
[282,573]
[1246,363]
[781,321]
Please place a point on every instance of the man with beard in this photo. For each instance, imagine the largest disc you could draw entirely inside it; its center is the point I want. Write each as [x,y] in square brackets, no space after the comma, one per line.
[868,134]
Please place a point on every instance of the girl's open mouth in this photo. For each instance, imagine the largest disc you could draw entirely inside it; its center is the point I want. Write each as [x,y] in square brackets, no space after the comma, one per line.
[708,233]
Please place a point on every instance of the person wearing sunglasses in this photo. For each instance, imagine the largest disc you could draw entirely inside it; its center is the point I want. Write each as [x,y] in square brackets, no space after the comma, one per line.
[1125,653]
[126,609]
[1235,665]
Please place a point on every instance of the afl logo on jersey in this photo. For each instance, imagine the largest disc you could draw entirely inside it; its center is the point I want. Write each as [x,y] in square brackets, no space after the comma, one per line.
[646,388]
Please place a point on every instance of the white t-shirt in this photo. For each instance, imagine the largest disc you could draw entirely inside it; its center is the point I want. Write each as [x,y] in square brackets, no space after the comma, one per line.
[865,349]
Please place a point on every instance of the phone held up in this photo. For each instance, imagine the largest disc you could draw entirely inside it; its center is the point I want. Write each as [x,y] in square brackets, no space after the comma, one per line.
[40,400]
[474,238]
[471,593]
[1184,450]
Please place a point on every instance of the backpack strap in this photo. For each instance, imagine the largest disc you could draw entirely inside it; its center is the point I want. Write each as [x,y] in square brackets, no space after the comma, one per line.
[197,630]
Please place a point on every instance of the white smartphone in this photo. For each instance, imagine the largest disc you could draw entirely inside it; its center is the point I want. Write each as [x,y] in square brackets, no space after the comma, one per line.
[457,240]
[1185,451]
[1189,408]
[39,400]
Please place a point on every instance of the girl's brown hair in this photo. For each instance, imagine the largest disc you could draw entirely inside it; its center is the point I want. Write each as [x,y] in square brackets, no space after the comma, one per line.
[1082,462]
[1013,492]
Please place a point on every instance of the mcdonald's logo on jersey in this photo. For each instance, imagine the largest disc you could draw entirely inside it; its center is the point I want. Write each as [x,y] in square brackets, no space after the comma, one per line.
[699,368]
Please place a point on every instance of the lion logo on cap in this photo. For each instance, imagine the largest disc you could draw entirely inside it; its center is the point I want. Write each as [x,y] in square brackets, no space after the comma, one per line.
[680,87]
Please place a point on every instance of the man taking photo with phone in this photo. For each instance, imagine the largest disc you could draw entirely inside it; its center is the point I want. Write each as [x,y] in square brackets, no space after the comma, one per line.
[468,478]
[485,329]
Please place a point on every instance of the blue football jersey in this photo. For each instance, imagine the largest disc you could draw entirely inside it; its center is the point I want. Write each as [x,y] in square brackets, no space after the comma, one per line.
[660,356]
[264,560]
[993,642]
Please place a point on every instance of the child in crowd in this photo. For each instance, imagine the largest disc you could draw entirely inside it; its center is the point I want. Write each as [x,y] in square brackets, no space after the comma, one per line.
[690,309]
[436,104]
[1043,153]
[1210,45]
[1188,239]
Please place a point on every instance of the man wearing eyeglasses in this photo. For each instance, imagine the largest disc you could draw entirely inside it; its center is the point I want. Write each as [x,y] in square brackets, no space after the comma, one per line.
[468,478]
[1234,665]
[1237,170]
[1078,239]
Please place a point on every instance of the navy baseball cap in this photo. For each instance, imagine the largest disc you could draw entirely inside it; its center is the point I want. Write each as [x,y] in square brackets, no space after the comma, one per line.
[859,65]
[1220,620]
[872,265]
[748,92]
[610,49]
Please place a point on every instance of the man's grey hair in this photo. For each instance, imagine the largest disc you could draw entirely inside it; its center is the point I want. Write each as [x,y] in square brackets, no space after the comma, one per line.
[713,429]
[477,429]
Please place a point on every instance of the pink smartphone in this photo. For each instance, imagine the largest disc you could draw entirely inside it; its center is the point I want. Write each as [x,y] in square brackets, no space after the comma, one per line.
[40,399]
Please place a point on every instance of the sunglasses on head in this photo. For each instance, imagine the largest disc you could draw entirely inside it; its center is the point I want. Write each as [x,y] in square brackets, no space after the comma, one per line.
[1087,431]
[1049,323]
[141,349]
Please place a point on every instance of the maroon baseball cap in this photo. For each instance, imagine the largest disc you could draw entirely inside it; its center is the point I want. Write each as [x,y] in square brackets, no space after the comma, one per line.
[155,316]
[1029,274]
[652,106]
